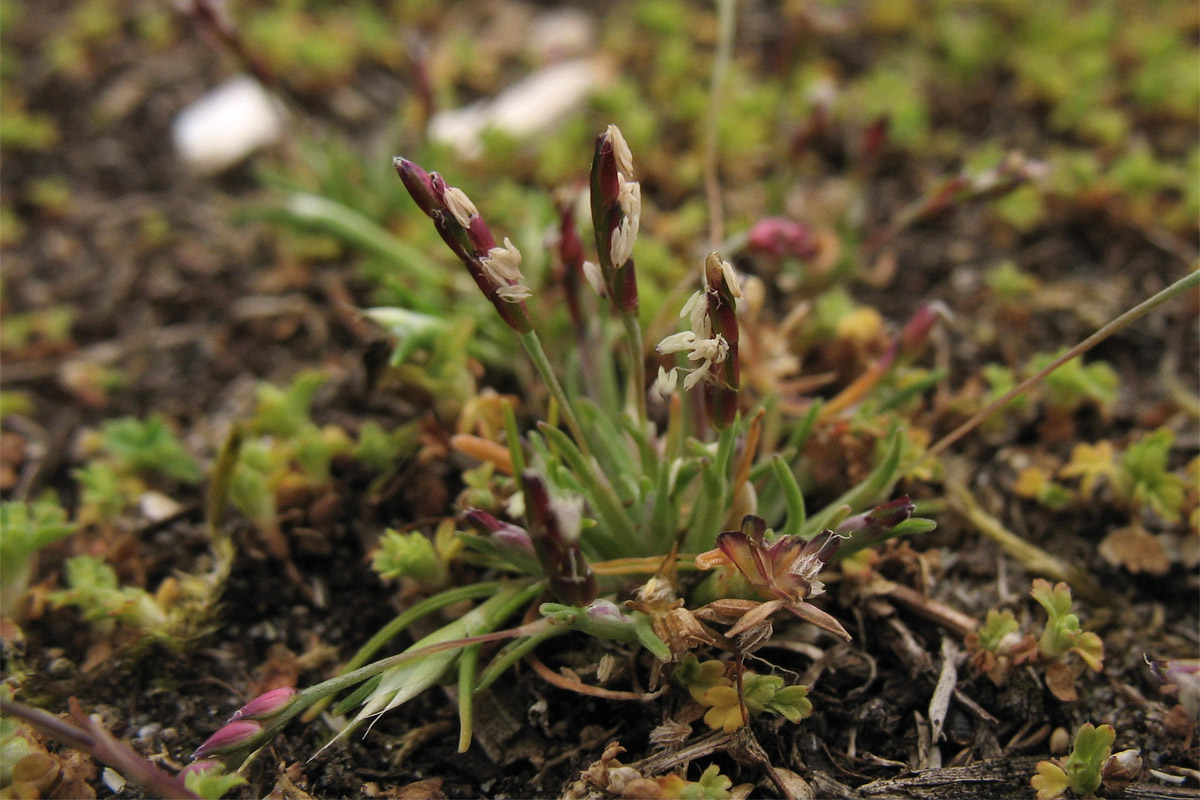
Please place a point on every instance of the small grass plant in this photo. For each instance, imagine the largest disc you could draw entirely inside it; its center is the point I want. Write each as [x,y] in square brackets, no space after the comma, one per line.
[600,513]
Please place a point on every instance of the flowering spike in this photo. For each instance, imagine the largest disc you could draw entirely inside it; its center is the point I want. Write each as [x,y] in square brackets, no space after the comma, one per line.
[570,253]
[232,736]
[877,522]
[419,184]
[616,216]
[917,329]
[495,270]
[713,341]
[266,705]
[504,534]
[555,523]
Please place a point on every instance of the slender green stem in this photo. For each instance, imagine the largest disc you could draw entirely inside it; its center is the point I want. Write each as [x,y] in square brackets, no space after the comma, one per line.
[421,609]
[1137,312]
[343,222]
[712,179]
[637,365]
[514,652]
[507,597]
[406,618]
[514,442]
[467,666]
[793,497]
[533,346]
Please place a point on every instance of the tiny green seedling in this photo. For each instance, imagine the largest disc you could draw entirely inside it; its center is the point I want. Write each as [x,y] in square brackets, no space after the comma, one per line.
[731,703]
[1081,772]
[26,528]
[998,644]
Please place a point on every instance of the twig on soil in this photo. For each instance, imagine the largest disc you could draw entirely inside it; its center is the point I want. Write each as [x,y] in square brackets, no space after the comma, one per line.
[89,736]
[563,682]
[1034,558]
[716,742]
[938,612]
[1191,281]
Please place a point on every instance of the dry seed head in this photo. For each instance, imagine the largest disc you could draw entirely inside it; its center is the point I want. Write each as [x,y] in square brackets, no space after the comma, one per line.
[460,205]
[671,733]
[606,668]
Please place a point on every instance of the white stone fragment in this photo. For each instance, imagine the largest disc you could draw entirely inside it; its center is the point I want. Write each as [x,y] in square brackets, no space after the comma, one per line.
[531,106]
[562,33]
[226,125]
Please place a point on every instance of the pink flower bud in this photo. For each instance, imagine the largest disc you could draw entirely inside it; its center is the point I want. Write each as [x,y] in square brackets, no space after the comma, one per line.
[266,704]
[230,737]
[916,330]
[504,534]
[420,185]
[881,518]
[605,611]
[779,236]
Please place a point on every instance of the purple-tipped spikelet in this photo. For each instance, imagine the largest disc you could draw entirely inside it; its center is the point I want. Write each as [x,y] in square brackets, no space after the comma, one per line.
[712,341]
[231,736]
[780,237]
[919,326]
[555,525]
[495,270]
[879,519]
[570,253]
[267,704]
[504,535]
[721,394]
[616,215]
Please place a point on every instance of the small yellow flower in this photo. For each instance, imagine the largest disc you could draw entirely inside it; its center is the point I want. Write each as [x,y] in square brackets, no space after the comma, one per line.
[726,711]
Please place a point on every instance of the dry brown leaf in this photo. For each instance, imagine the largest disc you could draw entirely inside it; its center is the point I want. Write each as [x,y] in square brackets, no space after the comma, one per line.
[1060,679]
[1135,549]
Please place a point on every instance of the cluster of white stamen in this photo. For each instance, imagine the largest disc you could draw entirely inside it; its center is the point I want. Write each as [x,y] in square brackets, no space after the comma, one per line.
[595,279]
[707,349]
[621,151]
[629,198]
[699,342]
[731,279]
[664,385]
[502,265]
[460,205]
